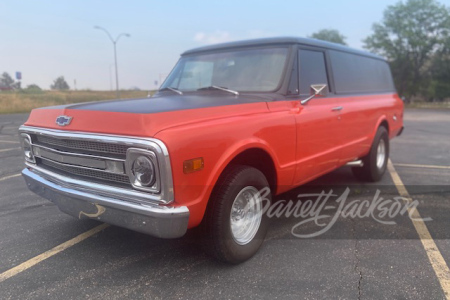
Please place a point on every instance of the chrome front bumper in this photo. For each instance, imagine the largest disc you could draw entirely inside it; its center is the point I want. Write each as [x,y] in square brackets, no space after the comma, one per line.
[158,221]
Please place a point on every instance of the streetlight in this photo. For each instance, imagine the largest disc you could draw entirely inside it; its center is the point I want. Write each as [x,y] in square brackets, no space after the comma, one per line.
[114,41]
[110,77]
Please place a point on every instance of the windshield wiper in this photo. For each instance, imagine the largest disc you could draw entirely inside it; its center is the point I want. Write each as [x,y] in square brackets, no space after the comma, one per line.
[215,87]
[171,89]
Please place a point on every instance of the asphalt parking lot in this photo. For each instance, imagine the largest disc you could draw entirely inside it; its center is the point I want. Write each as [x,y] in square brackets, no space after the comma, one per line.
[356,259]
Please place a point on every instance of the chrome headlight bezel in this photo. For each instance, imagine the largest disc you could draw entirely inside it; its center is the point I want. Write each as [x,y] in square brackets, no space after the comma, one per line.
[132,155]
[27,148]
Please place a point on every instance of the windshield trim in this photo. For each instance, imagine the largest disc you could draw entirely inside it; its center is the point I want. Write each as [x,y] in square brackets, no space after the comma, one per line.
[288,47]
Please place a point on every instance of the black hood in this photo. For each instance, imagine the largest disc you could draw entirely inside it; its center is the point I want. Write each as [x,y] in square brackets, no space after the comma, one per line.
[165,102]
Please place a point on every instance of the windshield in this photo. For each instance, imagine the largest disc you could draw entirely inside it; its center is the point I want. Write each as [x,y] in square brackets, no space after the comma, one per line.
[254,70]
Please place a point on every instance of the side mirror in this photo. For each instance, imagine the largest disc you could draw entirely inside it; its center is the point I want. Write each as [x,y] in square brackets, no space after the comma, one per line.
[317,90]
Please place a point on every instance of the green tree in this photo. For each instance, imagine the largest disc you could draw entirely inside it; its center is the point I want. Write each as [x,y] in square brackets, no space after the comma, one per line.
[33,87]
[439,73]
[6,80]
[329,35]
[60,84]
[409,35]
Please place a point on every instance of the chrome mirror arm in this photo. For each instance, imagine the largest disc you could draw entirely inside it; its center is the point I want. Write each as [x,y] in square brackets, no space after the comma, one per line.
[316,90]
[304,101]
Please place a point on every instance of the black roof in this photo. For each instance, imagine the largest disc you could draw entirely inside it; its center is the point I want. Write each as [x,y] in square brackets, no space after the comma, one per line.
[282,40]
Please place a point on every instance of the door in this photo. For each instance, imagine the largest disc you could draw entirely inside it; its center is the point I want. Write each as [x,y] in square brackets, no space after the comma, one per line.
[317,121]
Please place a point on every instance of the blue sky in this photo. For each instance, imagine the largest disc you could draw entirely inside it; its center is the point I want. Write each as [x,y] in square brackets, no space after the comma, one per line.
[46,39]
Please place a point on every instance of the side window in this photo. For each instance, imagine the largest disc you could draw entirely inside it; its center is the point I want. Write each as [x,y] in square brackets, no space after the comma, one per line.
[312,69]
[359,74]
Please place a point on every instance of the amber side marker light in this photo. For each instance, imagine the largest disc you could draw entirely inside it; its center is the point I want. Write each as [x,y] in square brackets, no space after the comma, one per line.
[192,165]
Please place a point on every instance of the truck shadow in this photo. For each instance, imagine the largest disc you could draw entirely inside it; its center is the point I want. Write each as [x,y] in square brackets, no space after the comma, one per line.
[125,243]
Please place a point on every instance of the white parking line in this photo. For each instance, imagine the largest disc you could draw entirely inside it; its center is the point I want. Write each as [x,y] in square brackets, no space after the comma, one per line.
[435,257]
[9,149]
[9,142]
[9,176]
[423,166]
[37,259]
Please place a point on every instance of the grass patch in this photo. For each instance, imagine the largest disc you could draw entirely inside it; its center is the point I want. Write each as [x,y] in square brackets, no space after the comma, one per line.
[25,101]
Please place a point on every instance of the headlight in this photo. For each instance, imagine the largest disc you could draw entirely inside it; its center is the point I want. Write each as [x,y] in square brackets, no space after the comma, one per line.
[27,147]
[142,169]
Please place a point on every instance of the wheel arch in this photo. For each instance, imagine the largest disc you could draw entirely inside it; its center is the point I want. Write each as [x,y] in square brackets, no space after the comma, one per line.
[259,159]
[381,122]
[246,155]
[384,123]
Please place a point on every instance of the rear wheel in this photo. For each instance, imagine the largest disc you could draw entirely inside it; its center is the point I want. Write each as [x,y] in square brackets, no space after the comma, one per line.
[375,163]
[235,224]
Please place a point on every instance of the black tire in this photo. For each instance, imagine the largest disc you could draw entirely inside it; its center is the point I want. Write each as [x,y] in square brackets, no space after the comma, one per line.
[371,171]
[219,240]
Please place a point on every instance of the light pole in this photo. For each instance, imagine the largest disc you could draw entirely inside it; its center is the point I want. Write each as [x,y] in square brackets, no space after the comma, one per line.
[110,77]
[114,41]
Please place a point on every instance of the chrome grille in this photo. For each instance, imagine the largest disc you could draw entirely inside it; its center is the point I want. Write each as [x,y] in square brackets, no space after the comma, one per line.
[90,146]
[116,178]
[82,159]
[97,163]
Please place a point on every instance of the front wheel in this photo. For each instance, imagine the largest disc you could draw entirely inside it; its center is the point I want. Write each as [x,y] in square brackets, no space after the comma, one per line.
[235,224]
[375,163]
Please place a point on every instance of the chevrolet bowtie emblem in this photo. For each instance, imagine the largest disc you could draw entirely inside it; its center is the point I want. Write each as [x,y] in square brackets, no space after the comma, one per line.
[63,120]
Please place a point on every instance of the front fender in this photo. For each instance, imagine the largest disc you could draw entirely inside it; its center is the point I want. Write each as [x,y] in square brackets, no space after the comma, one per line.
[218,142]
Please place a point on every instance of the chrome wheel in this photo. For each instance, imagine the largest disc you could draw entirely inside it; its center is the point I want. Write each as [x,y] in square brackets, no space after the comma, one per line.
[246,215]
[381,154]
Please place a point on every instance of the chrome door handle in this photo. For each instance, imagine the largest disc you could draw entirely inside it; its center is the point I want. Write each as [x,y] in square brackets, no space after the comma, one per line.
[337,108]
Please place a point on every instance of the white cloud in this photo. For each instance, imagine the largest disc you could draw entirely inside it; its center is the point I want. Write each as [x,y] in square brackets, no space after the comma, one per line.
[199,36]
[216,37]
[220,36]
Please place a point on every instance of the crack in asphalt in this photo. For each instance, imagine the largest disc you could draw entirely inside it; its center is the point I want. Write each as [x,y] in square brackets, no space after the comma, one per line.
[358,271]
[355,253]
